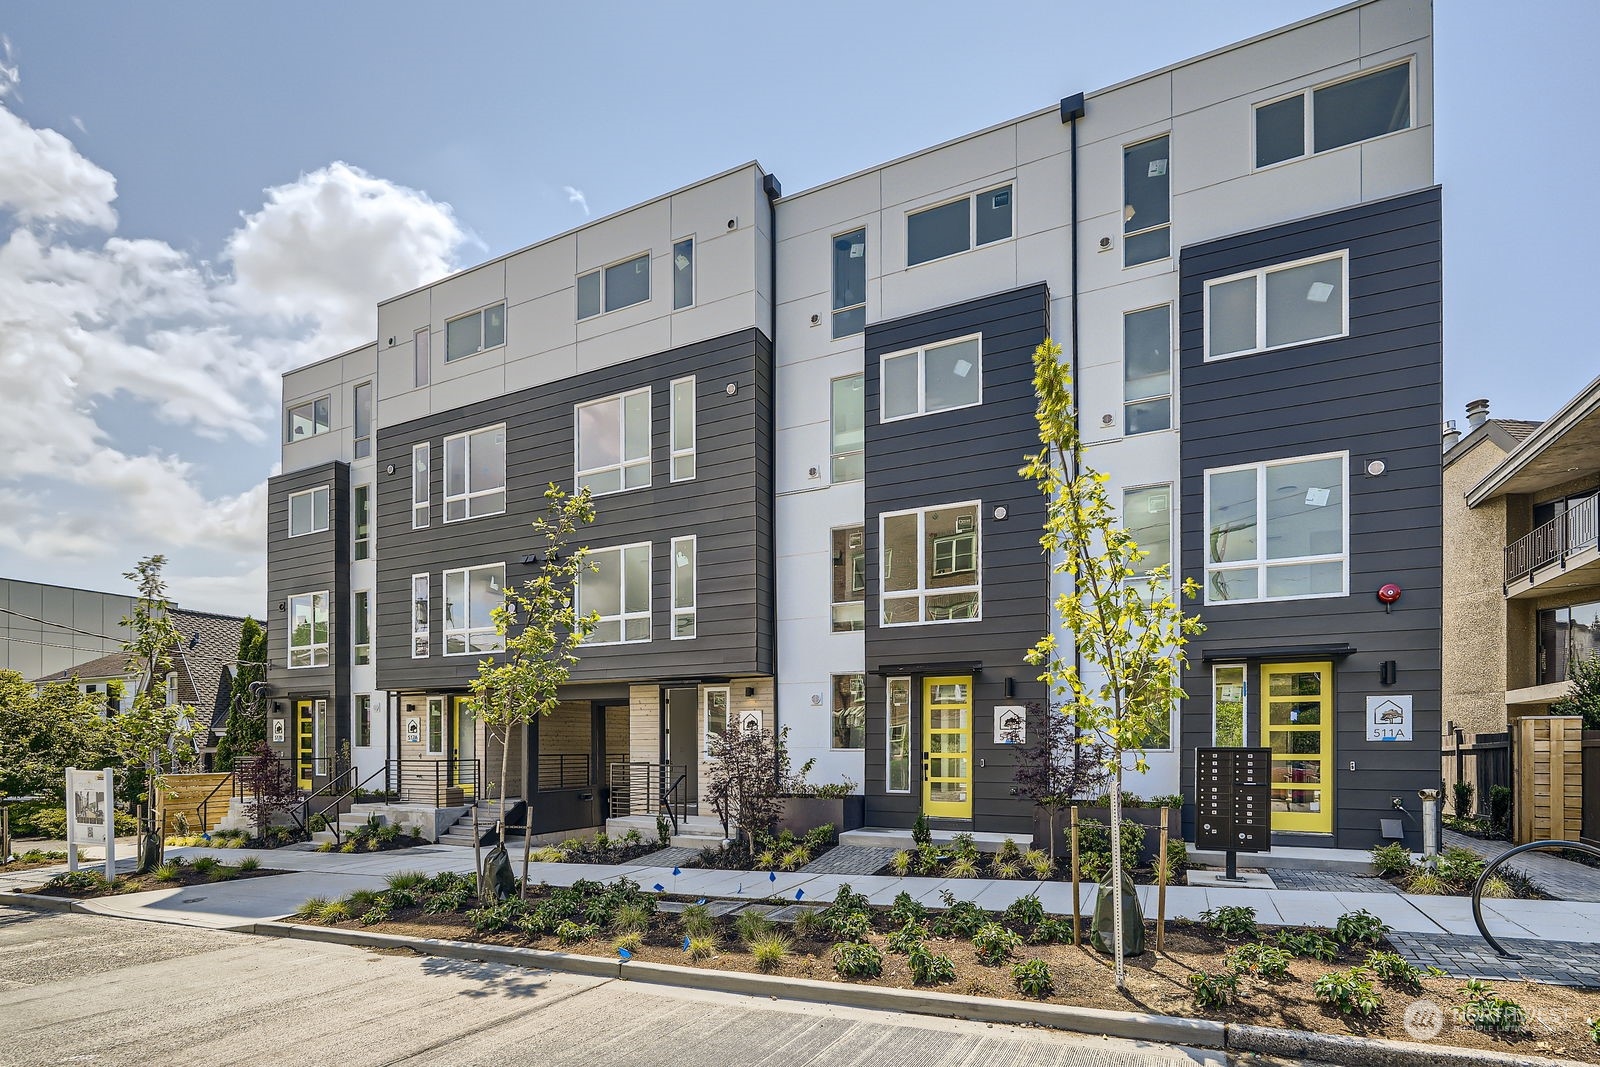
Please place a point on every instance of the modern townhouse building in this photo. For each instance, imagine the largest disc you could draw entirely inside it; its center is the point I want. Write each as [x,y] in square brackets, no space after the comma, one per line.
[803,415]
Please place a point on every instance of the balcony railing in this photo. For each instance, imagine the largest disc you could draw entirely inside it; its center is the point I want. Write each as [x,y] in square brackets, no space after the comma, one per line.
[1554,541]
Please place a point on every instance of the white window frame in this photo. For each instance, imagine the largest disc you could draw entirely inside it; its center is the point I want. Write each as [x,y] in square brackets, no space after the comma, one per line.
[579,474]
[436,714]
[1261,562]
[649,284]
[888,735]
[1260,274]
[835,456]
[622,617]
[473,492]
[972,222]
[1170,395]
[326,400]
[474,628]
[921,352]
[479,312]
[953,541]
[1244,713]
[315,646]
[1172,528]
[852,555]
[694,267]
[833,711]
[833,281]
[421,486]
[327,510]
[361,612]
[705,713]
[673,416]
[360,544]
[1308,114]
[362,442]
[686,611]
[421,645]
[1152,228]
[922,592]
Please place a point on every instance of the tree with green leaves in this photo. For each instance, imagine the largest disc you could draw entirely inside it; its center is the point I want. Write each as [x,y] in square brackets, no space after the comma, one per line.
[247,717]
[1126,627]
[540,629]
[1584,697]
[155,734]
[46,729]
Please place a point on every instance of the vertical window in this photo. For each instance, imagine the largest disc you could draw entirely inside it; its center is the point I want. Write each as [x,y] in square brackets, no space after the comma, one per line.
[1276,531]
[419,616]
[849,580]
[1147,370]
[614,443]
[1147,205]
[475,474]
[363,720]
[683,274]
[321,736]
[309,419]
[470,597]
[470,334]
[422,356]
[684,565]
[420,470]
[939,377]
[849,429]
[361,504]
[1274,307]
[308,630]
[1147,516]
[308,511]
[947,229]
[363,419]
[898,779]
[849,283]
[436,726]
[931,565]
[363,629]
[589,295]
[683,429]
[617,587]
[1227,705]
[716,715]
[849,711]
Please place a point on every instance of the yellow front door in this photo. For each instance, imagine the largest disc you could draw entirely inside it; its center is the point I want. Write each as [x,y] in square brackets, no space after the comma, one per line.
[1297,724]
[305,742]
[947,744]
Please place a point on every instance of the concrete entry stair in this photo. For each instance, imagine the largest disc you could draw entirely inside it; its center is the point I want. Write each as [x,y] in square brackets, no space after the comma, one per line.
[694,831]
[489,813]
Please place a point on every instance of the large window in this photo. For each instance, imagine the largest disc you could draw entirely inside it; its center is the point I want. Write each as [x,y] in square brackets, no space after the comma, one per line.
[959,225]
[1567,635]
[361,398]
[849,711]
[849,283]
[308,630]
[614,443]
[471,334]
[1277,531]
[684,565]
[419,617]
[308,419]
[421,468]
[1355,109]
[849,580]
[470,597]
[361,506]
[849,429]
[682,274]
[612,288]
[683,429]
[617,586]
[475,474]
[1147,370]
[1274,307]
[362,611]
[939,377]
[930,565]
[308,511]
[898,736]
[1147,207]
[1147,516]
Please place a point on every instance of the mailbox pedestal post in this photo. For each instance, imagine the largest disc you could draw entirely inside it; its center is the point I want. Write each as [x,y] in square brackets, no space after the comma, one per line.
[1233,803]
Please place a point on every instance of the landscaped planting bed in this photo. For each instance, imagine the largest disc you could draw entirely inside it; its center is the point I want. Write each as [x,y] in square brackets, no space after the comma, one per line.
[1455,871]
[173,874]
[1340,980]
[961,858]
[33,858]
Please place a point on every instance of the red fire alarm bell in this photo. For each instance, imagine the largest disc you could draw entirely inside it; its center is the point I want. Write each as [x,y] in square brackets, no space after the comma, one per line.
[1388,593]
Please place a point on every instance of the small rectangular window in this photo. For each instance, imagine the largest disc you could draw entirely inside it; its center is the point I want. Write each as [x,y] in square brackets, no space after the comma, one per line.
[421,470]
[617,587]
[613,447]
[362,403]
[939,377]
[361,506]
[470,334]
[1147,370]
[898,736]
[363,628]
[849,429]
[947,229]
[363,720]
[475,474]
[682,274]
[1147,203]
[849,711]
[1345,112]
[1278,306]
[419,616]
[1276,530]
[849,283]
[1281,130]
[615,287]
[849,580]
[1228,699]
[422,356]
[1147,516]
[308,630]
[683,429]
[470,597]
[589,295]
[684,565]
[936,559]
[308,511]
[717,720]
[436,726]
[309,419]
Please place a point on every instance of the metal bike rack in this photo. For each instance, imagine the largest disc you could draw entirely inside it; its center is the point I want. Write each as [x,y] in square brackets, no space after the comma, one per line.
[1477,888]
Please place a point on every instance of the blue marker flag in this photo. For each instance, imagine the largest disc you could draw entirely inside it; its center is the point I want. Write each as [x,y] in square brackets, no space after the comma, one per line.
[798,893]
[686,944]
[772,877]
[676,872]
[659,887]
[702,900]
[625,954]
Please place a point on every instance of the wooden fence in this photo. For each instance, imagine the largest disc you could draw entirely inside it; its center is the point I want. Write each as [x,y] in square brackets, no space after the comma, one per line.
[185,794]
[1482,759]
[1591,794]
[1548,771]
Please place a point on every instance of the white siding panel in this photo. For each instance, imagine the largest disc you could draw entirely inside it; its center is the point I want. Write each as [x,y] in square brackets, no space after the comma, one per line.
[469,290]
[1241,71]
[546,367]
[947,171]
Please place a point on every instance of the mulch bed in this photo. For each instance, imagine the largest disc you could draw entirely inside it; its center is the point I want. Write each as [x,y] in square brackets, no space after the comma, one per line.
[140,883]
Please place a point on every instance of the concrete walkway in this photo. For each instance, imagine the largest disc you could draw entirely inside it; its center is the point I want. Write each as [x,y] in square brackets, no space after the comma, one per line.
[1562,878]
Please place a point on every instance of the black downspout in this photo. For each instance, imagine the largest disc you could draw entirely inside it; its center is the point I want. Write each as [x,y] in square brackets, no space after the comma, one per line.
[774,190]
[1071,112]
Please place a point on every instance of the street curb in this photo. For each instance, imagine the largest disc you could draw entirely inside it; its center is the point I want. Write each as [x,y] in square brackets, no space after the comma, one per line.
[40,902]
[593,966]
[1373,1052]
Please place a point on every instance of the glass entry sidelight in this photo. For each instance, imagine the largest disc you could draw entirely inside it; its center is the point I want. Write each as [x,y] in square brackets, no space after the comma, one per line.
[1297,724]
[305,743]
[947,759]
[464,744]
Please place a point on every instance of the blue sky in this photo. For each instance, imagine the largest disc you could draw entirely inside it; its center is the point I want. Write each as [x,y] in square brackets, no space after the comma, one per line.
[195,196]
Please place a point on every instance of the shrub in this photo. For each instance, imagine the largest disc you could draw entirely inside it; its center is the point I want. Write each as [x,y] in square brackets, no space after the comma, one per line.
[571,933]
[1463,799]
[1309,944]
[1007,869]
[994,944]
[205,865]
[167,872]
[929,969]
[1594,1028]
[810,924]
[906,910]
[1426,884]
[1008,852]
[1040,863]
[696,921]
[751,926]
[1460,867]
[1024,912]
[1498,888]
[1033,979]
[928,858]
[703,947]
[962,867]
[857,959]
[312,908]
[501,915]
[337,911]
[631,916]
[920,834]
[1348,992]
[250,863]
[1051,931]
[632,940]
[1395,971]
[964,845]
[1260,959]
[1231,922]
[961,918]
[901,862]
[907,938]
[1359,927]
[769,951]
[1213,991]
[1499,807]
[1487,1011]
[1391,860]
[852,926]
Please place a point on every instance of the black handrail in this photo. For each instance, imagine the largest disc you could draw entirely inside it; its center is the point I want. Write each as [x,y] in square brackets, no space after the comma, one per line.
[205,822]
[321,790]
[1477,888]
[338,834]
[666,800]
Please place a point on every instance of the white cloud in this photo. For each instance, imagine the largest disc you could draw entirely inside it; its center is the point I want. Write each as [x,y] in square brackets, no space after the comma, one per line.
[44,179]
[575,196]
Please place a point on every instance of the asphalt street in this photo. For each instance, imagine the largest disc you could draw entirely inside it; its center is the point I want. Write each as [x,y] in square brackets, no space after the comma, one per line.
[86,989]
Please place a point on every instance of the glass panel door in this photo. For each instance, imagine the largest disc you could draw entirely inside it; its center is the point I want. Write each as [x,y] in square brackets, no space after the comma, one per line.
[947,761]
[463,744]
[305,742]
[1297,725]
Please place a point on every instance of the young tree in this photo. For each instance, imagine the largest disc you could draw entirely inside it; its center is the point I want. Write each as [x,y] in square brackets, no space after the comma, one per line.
[749,773]
[1127,627]
[153,735]
[1055,766]
[247,718]
[541,630]
[268,786]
